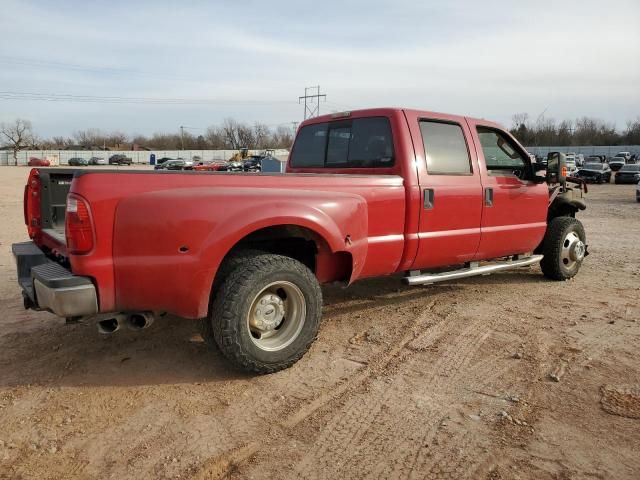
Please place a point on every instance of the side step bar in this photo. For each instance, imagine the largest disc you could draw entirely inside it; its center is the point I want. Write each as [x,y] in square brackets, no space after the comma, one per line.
[471,271]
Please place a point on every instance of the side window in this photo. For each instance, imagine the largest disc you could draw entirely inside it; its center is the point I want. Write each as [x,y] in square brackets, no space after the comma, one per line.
[310,146]
[445,148]
[500,155]
[358,143]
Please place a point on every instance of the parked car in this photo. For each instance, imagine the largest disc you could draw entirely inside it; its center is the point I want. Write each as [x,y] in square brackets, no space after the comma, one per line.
[246,254]
[595,173]
[97,161]
[626,155]
[160,161]
[628,174]
[579,159]
[638,192]
[572,158]
[187,164]
[177,164]
[210,167]
[38,162]
[572,168]
[252,164]
[78,162]
[234,166]
[616,163]
[119,159]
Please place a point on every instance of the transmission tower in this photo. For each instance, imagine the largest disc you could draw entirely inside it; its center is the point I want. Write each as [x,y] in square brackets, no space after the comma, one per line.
[311,107]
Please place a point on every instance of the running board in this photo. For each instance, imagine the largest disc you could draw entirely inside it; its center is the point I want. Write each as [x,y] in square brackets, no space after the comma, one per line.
[471,271]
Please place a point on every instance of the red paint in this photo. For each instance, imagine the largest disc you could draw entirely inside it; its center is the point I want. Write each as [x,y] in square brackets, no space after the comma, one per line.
[370,219]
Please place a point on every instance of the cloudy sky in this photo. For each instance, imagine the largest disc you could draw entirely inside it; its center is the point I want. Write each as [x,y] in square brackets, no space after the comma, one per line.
[204,61]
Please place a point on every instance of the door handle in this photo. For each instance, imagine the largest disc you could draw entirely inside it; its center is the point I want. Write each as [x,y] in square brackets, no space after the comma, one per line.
[488,197]
[428,198]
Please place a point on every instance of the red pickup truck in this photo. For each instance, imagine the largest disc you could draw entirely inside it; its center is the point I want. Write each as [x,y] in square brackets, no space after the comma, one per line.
[366,193]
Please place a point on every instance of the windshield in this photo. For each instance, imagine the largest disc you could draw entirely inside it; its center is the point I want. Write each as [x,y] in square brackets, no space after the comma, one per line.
[593,166]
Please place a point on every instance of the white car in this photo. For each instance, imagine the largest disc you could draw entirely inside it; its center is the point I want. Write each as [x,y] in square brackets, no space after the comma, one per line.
[617,162]
[579,159]
[572,169]
[626,155]
[638,192]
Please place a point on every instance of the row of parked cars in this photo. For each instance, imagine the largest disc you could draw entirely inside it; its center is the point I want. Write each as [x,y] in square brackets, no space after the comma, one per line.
[599,168]
[252,163]
[117,159]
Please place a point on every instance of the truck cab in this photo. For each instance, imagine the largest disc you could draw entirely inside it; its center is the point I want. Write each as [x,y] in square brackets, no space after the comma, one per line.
[472,191]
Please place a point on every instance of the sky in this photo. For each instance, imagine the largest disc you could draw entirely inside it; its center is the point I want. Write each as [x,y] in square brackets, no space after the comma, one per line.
[203,61]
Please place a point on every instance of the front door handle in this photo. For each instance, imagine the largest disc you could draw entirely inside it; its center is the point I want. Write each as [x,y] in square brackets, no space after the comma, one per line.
[428,198]
[488,197]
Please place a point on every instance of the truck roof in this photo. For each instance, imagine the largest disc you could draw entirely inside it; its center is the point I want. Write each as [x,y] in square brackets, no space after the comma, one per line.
[389,111]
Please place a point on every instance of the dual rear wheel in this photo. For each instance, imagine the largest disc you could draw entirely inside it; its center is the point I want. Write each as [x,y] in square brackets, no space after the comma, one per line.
[265,313]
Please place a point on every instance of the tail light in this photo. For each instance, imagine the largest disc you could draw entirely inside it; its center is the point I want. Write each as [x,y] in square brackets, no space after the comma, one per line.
[78,225]
[32,214]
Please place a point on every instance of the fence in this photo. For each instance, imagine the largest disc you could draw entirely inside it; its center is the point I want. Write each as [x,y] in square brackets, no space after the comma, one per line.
[61,157]
[608,150]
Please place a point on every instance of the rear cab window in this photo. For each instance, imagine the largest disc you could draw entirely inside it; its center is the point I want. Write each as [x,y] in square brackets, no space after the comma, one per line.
[355,143]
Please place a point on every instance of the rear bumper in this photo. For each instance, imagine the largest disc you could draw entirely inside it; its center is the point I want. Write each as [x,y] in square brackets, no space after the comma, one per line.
[47,285]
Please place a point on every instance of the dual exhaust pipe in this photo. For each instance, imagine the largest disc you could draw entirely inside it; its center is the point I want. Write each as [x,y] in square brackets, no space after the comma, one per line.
[134,321]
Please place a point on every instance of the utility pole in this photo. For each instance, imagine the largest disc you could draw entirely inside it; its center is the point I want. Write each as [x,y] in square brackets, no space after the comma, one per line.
[312,109]
[182,136]
[294,126]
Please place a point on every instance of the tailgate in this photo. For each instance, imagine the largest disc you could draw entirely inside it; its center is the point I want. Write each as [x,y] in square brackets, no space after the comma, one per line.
[54,187]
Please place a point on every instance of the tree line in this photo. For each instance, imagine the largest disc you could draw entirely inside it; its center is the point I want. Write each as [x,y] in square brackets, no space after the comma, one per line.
[230,135]
[582,131]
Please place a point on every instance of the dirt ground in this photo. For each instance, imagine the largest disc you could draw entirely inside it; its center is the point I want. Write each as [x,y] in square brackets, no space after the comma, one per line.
[498,377]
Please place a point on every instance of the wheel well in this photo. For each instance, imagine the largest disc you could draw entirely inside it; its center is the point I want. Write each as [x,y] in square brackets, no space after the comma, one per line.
[301,244]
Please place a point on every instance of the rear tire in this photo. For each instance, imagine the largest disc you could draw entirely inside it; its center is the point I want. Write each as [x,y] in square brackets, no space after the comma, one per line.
[233,261]
[267,313]
[564,248]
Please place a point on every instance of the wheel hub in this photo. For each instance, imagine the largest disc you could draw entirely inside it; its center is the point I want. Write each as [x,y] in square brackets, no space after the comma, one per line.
[268,313]
[573,250]
[577,251]
[276,316]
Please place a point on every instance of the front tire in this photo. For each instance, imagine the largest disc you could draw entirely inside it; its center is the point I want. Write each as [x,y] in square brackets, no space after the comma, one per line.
[564,248]
[267,313]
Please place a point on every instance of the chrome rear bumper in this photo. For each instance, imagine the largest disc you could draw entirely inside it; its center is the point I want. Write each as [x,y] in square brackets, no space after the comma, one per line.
[47,285]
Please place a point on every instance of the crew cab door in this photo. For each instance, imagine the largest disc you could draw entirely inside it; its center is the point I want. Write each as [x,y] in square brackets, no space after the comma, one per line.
[514,208]
[451,206]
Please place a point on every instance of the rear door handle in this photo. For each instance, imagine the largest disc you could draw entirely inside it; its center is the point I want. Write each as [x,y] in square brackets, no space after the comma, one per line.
[428,198]
[488,197]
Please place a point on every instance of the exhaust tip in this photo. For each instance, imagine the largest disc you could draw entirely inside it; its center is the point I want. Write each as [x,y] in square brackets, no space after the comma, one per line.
[109,326]
[139,321]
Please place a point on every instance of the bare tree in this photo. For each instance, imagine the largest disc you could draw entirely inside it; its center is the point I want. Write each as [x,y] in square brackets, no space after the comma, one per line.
[282,137]
[216,138]
[17,135]
[261,134]
[230,129]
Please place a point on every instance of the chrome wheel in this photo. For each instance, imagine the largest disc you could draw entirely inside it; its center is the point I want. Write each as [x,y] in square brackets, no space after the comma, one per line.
[276,316]
[573,250]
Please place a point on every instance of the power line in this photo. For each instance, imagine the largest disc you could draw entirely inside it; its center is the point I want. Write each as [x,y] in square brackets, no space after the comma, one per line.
[59,97]
[311,109]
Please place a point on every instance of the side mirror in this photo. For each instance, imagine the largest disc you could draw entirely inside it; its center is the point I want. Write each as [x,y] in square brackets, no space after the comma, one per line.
[556,168]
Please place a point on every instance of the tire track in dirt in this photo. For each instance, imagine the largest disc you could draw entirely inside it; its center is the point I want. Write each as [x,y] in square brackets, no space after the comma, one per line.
[376,445]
